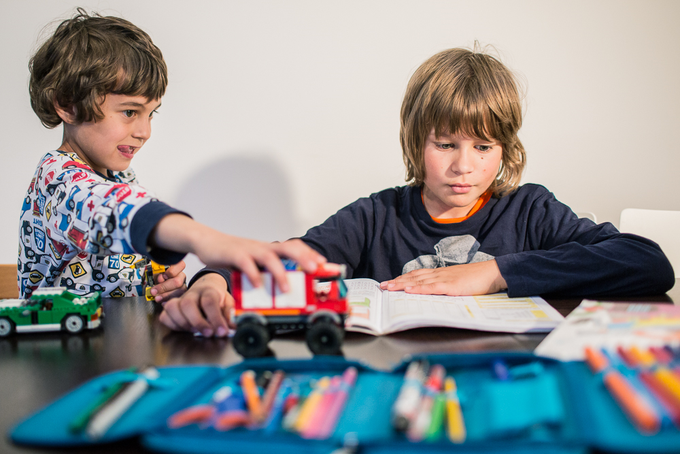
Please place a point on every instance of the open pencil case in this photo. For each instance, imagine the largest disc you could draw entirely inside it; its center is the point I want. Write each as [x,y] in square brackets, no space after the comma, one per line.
[542,406]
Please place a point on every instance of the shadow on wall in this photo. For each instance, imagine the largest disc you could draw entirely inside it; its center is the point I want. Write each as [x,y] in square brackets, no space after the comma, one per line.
[247,196]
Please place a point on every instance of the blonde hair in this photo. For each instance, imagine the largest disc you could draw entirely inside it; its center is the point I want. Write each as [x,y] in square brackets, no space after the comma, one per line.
[469,92]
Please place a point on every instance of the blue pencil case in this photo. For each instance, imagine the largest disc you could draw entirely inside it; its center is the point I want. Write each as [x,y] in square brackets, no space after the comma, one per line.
[510,403]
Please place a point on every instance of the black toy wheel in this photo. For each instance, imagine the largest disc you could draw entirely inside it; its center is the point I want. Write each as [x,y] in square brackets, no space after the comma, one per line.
[73,323]
[6,327]
[251,339]
[325,338]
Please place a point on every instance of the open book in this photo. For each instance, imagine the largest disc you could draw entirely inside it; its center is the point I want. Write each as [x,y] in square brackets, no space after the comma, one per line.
[375,311]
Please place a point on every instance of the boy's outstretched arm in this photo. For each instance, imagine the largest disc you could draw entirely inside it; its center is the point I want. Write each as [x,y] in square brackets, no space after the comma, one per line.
[469,279]
[215,249]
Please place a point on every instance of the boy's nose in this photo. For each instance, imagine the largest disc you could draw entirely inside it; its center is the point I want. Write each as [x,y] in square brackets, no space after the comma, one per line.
[143,130]
[462,162]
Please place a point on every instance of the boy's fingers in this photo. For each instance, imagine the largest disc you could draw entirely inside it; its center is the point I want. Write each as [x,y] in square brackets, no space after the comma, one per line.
[212,308]
[165,319]
[195,318]
[169,285]
[273,264]
[297,250]
[172,316]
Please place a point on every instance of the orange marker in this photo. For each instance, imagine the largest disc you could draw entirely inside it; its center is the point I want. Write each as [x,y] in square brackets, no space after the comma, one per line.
[251,394]
[596,360]
[636,408]
[270,394]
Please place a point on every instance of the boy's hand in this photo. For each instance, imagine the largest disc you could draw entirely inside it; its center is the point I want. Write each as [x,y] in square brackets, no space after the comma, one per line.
[203,308]
[470,279]
[171,283]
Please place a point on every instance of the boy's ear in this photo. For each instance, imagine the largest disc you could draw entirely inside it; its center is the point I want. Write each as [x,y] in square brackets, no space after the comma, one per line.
[67,114]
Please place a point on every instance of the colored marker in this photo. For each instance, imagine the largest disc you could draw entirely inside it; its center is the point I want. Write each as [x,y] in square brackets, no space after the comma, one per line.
[112,411]
[330,421]
[434,432]
[316,418]
[407,402]
[634,405]
[251,394]
[109,393]
[663,395]
[201,413]
[270,394]
[276,414]
[455,423]
[500,369]
[416,430]
[309,405]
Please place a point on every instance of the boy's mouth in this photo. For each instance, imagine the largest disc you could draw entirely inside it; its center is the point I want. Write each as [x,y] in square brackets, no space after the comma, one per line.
[127,151]
[460,188]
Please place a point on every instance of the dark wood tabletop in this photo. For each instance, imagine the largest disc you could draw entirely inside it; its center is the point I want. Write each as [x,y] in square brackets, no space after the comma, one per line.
[35,369]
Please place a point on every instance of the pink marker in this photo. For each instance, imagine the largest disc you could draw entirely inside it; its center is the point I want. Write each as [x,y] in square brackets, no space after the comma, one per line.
[335,410]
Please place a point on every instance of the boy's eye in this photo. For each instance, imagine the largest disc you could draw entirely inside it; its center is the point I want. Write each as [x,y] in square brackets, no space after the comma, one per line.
[153,112]
[483,147]
[129,113]
[445,146]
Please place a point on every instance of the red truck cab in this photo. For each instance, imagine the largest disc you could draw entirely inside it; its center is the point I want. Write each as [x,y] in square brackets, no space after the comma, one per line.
[316,302]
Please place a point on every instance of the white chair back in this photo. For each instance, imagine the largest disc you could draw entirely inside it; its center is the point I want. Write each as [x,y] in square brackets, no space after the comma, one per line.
[660,226]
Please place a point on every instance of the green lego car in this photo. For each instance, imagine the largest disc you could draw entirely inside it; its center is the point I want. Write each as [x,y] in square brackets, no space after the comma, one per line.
[50,309]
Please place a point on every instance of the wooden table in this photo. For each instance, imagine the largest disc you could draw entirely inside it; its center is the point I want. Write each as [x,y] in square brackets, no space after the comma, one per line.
[35,369]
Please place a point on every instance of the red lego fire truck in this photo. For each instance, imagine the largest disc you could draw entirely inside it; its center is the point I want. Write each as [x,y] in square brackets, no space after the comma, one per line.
[316,302]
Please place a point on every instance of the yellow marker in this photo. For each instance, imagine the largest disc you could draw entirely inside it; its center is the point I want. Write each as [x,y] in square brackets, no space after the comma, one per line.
[669,380]
[310,404]
[644,357]
[455,423]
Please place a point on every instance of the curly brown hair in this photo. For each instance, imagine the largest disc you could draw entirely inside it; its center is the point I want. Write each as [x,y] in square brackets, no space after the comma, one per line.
[88,57]
[463,91]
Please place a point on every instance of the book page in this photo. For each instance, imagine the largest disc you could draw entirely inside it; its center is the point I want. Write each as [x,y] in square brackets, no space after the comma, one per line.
[364,298]
[610,325]
[496,312]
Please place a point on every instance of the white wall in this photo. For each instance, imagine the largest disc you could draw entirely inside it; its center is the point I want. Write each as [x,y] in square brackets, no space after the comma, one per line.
[278,113]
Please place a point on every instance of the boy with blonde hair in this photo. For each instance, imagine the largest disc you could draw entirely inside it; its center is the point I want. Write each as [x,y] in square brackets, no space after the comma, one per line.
[86,220]
[463,225]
